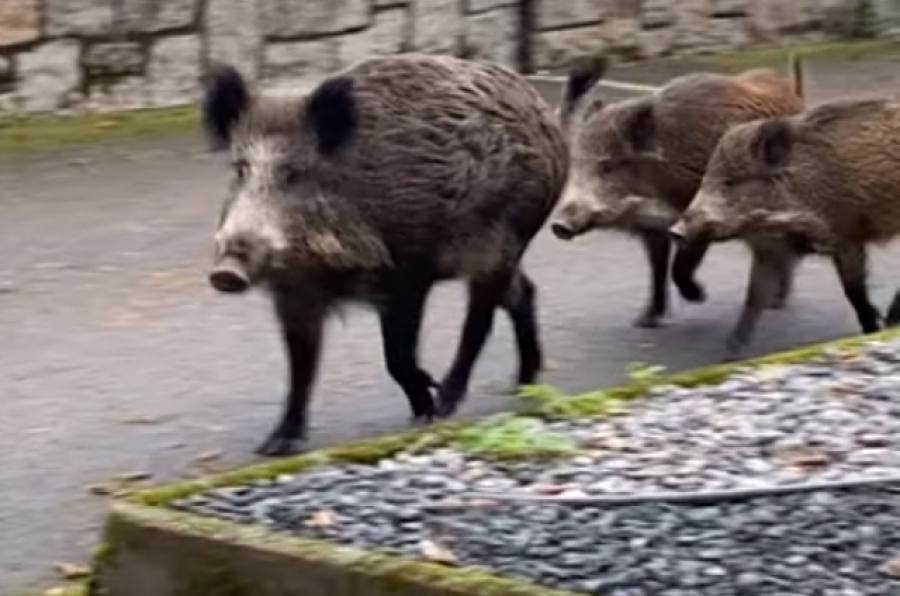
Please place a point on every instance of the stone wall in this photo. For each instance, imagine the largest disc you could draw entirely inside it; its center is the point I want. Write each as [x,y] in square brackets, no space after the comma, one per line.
[62,54]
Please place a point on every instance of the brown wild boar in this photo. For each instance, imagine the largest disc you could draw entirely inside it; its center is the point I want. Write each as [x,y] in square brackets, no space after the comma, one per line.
[825,181]
[636,164]
[392,175]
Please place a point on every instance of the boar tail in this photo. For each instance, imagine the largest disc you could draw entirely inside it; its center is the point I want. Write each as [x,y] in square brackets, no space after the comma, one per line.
[798,74]
[582,78]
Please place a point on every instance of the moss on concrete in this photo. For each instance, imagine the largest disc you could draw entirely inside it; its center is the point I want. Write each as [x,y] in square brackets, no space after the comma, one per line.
[160,552]
[75,589]
[20,134]
[171,553]
[599,403]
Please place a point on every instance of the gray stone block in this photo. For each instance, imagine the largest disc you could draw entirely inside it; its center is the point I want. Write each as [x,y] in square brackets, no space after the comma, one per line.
[78,17]
[174,70]
[48,76]
[494,35]
[286,19]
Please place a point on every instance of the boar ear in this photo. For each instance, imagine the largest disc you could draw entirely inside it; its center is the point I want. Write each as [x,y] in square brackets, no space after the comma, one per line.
[773,143]
[333,114]
[225,98]
[582,78]
[641,129]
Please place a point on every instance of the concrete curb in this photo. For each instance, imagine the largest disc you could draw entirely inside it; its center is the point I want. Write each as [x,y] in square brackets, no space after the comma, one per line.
[150,550]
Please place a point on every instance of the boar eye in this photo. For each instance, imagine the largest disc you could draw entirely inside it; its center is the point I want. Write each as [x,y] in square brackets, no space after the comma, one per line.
[241,168]
[605,166]
[290,174]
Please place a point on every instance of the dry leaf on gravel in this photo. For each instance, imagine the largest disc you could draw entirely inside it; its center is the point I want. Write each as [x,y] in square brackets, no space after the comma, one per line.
[805,459]
[892,568]
[321,519]
[437,553]
[71,571]
[873,441]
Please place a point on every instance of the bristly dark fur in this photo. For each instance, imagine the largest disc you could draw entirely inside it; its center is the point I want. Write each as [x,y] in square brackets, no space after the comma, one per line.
[225,98]
[332,114]
[396,174]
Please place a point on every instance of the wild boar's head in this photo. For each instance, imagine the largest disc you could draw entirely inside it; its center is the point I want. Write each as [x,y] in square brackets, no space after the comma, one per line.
[748,189]
[614,158]
[281,208]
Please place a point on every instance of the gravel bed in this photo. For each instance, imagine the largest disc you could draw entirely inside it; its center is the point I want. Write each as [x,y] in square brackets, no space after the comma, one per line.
[829,420]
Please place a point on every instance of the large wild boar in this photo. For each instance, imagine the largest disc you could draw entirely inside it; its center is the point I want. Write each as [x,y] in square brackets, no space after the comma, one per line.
[824,181]
[636,164]
[390,176]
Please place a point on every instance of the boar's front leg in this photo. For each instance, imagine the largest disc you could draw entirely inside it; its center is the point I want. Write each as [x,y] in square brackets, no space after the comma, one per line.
[786,283]
[301,322]
[851,264]
[766,275]
[688,257]
[520,303]
[892,319]
[401,321]
[658,247]
[486,294]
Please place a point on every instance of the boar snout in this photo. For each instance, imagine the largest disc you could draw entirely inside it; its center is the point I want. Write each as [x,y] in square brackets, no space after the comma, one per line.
[229,276]
[579,217]
[564,230]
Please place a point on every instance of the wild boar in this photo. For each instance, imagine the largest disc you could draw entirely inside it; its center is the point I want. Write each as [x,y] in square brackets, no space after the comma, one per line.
[825,181]
[636,164]
[392,175]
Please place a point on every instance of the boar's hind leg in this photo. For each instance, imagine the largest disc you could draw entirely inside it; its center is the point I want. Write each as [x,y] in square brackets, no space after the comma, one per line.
[851,265]
[658,248]
[688,257]
[401,321]
[301,325]
[485,295]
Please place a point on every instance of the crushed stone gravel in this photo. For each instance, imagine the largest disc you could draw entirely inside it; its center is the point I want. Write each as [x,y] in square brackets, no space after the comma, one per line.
[835,418]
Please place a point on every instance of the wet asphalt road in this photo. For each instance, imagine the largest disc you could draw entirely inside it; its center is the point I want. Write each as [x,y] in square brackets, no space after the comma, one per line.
[116,357]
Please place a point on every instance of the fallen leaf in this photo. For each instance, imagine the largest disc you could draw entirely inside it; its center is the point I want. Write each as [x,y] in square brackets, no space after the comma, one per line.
[321,519]
[806,459]
[101,490]
[208,457]
[892,568]
[609,443]
[873,440]
[135,476]
[482,502]
[141,419]
[551,365]
[71,571]
[552,489]
[437,553]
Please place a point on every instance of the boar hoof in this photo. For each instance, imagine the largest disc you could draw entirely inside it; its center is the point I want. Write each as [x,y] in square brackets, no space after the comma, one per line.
[648,320]
[692,292]
[778,303]
[735,349]
[449,397]
[421,419]
[278,446]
